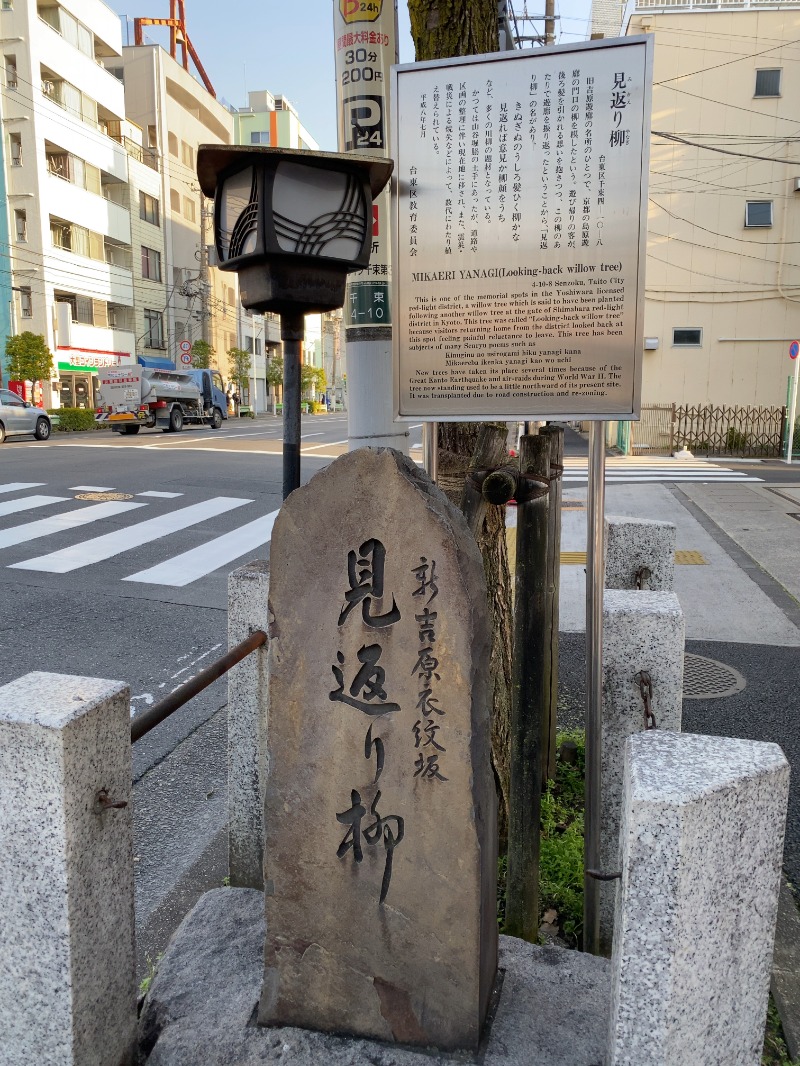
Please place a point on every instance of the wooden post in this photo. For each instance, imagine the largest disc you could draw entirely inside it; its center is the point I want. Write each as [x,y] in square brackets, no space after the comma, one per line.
[555,434]
[529,690]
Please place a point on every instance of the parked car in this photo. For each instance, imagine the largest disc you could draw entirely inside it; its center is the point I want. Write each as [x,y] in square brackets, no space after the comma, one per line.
[20,418]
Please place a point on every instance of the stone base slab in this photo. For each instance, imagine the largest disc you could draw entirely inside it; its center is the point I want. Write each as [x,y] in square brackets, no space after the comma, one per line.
[552,1009]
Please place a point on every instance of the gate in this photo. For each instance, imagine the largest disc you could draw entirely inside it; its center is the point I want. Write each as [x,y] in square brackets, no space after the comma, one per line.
[654,433]
[709,430]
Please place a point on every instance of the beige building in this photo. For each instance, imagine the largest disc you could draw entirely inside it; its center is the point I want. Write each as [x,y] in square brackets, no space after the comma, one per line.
[177,114]
[723,250]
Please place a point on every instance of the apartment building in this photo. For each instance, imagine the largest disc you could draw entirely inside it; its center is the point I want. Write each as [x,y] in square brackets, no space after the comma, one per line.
[177,114]
[722,300]
[66,173]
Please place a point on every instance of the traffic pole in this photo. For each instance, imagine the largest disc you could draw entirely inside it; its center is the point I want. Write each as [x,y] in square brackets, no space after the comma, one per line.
[794,354]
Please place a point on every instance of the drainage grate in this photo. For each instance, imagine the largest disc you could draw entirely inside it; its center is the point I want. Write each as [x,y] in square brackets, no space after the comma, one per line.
[707,679]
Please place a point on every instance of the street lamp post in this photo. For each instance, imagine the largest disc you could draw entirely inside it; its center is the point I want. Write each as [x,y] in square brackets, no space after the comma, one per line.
[293,224]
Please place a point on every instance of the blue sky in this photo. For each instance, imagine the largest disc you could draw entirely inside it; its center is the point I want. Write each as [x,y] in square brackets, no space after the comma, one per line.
[286,46]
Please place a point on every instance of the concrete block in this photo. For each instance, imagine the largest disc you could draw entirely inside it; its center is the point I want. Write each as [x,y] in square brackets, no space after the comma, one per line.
[248,703]
[633,543]
[702,842]
[68,974]
[552,1008]
[642,631]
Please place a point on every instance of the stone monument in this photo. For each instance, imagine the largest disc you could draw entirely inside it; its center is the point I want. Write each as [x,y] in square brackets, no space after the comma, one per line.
[380,812]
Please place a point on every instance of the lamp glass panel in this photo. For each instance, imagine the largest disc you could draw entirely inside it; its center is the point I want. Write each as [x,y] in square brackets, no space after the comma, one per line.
[238,216]
[318,212]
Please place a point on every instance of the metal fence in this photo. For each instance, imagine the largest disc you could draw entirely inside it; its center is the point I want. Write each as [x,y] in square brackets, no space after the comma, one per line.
[710,430]
[707,429]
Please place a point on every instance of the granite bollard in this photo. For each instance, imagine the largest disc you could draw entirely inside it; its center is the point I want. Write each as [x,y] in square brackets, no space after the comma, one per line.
[642,632]
[248,704]
[635,545]
[380,815]
[702,843]
[68,975]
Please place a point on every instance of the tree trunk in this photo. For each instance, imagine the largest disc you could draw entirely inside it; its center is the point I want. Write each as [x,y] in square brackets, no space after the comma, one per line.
[443,29]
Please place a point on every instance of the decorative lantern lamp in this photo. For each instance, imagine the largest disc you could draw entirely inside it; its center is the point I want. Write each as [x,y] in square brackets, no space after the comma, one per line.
[292,224]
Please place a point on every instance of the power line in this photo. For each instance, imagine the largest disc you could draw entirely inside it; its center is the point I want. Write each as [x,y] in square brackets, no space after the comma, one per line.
[725,236]
[723,151]
[716,277]
[729,62]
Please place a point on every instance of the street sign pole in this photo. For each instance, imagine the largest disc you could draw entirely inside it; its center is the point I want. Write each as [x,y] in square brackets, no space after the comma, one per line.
[794,352]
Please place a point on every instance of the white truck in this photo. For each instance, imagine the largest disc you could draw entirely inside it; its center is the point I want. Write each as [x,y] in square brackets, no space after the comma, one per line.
[132,396]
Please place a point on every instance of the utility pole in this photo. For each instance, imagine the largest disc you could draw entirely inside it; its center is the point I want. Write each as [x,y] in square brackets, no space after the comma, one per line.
[549,22]
[205,311]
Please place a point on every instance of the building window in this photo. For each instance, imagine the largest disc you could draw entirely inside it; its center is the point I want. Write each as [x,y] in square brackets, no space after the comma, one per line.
[15,143]
[154,329]
[25,302]
[687,338]
[768,82]
[172,142]
[21,224]
[758,214]
[187,154]
[259,137]
[152,137]
[148,209]
[11,72]
[151,264]
[175,201]
[189,208]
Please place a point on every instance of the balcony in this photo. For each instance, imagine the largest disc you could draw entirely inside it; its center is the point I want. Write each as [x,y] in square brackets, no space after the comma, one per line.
[82,342]
[87,209]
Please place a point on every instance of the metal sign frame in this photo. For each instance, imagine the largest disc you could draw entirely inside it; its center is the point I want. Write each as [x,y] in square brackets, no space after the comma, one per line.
[516,409]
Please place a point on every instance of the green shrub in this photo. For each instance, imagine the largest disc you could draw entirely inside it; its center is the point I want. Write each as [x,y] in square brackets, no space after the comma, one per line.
[72,418]
[735,440]
[561,848]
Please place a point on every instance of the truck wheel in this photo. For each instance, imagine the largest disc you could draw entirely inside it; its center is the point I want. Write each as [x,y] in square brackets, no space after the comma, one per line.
[151,421]
[130,430]
[175,420]
[216,418]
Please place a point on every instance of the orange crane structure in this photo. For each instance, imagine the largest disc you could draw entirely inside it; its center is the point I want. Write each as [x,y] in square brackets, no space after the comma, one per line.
[177,36]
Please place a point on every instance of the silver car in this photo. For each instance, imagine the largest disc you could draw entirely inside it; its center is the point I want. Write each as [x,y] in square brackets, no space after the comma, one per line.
[18,417]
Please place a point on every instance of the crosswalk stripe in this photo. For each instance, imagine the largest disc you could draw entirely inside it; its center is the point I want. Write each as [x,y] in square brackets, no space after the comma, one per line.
[669,477]
[18,486]
[68,520]
[110,544]
[27,503]
[190,565]
[161,495]
[91,488]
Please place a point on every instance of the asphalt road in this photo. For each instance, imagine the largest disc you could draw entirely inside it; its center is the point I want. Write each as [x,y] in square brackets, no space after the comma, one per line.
[92,610]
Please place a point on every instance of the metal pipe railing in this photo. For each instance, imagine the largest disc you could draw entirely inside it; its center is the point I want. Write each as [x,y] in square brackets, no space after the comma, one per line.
[156,714]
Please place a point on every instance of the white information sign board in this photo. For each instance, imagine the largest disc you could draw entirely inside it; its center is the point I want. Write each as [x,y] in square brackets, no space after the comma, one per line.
[520,199]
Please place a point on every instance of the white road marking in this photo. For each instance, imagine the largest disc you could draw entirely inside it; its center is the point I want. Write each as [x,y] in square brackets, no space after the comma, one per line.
[68,520]
[161,495]
[27,503]
[18,486]
[91,488]
[197,562]
[105,547]
[304,436]
[327,444]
